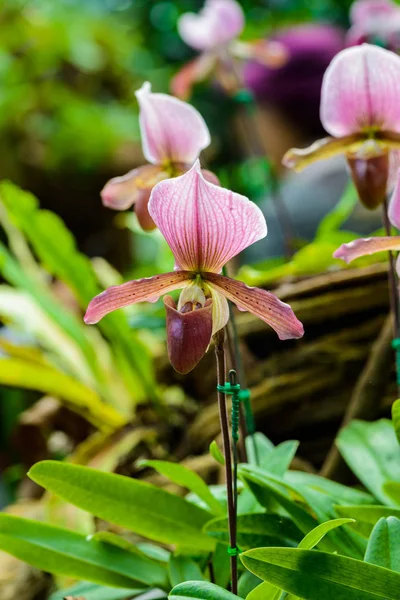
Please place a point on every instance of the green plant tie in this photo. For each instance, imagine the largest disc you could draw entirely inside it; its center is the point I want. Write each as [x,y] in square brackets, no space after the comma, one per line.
[396,348]
[233,551]
[234,391]
[244,396]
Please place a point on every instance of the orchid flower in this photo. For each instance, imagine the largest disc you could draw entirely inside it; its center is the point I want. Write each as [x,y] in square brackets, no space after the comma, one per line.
[173,135]
[213,32]
[360,108]
[365,246]
[375,21]
[205,226]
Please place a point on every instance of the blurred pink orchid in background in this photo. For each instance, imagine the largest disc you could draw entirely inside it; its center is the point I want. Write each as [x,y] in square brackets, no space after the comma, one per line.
[205,226]
[360,108]
[213,32]
[365,246]
[375,21]
[173,135]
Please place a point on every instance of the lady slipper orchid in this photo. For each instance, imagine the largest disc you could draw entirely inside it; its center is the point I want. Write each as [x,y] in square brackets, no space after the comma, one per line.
[173,135]
[205,226]
[375,21]
[360,108]
[213,32]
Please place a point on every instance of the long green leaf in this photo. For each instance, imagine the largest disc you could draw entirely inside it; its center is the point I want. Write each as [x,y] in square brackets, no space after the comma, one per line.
[341,493]
[365,516]
[314,537]
[200,590]
[265,591]
[396,418]
[315,575]
[44,378]
[392,490]
[384,544]
[372,451]
[136,505]
[187,478]
[64,552]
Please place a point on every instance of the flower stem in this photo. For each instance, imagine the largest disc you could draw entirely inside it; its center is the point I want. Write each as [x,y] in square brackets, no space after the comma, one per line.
[223,415]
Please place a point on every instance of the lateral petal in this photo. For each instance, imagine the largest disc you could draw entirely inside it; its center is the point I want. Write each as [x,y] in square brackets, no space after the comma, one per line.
[139,290]
[299,158]
[363,246]
[122,192]
[261,303]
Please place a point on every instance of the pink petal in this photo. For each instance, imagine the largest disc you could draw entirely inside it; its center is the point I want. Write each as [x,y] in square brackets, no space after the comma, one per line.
[361,90]
[204,225]
[140,290]
[192,72]
[172,130]
[188,335]
[365,12]
[219,22]
[122,192]
[394,206]
[261,303]
[364,246]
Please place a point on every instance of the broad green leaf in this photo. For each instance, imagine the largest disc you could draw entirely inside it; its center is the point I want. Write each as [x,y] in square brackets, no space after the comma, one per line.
[366,516]
[136,505]
[255,530]
[396,418]
[279,459]
[341,493]
[247,583]
[221,566]
[392,490]
[265,591]
[216,453]
[258,447]
[373,453]
[187,478]
[182,568]
[315,575]
[48,380]
[91,591]
[64,552]
[200,590]
[314,537]
[384,544]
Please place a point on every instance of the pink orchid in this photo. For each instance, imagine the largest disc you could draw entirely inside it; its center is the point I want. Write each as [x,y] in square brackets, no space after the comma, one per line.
[213,32]
[173,135]
[205,226]
[365,246]
[375,21]
[360,108]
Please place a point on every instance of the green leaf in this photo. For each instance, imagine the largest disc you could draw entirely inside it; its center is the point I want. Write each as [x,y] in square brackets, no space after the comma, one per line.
[187,478]
[216,453]
[279,459]
[258,446]
[372,452]
[265,591]
[221,566]
[314,537]
[44,378]
[392,490]
[136,505]
[255,530]
[91,591]
[64,552]
[341,493]
[383,546]
[183,568]
[340,213]
[366,516]
[200,590]
[315,575]
[396,418]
